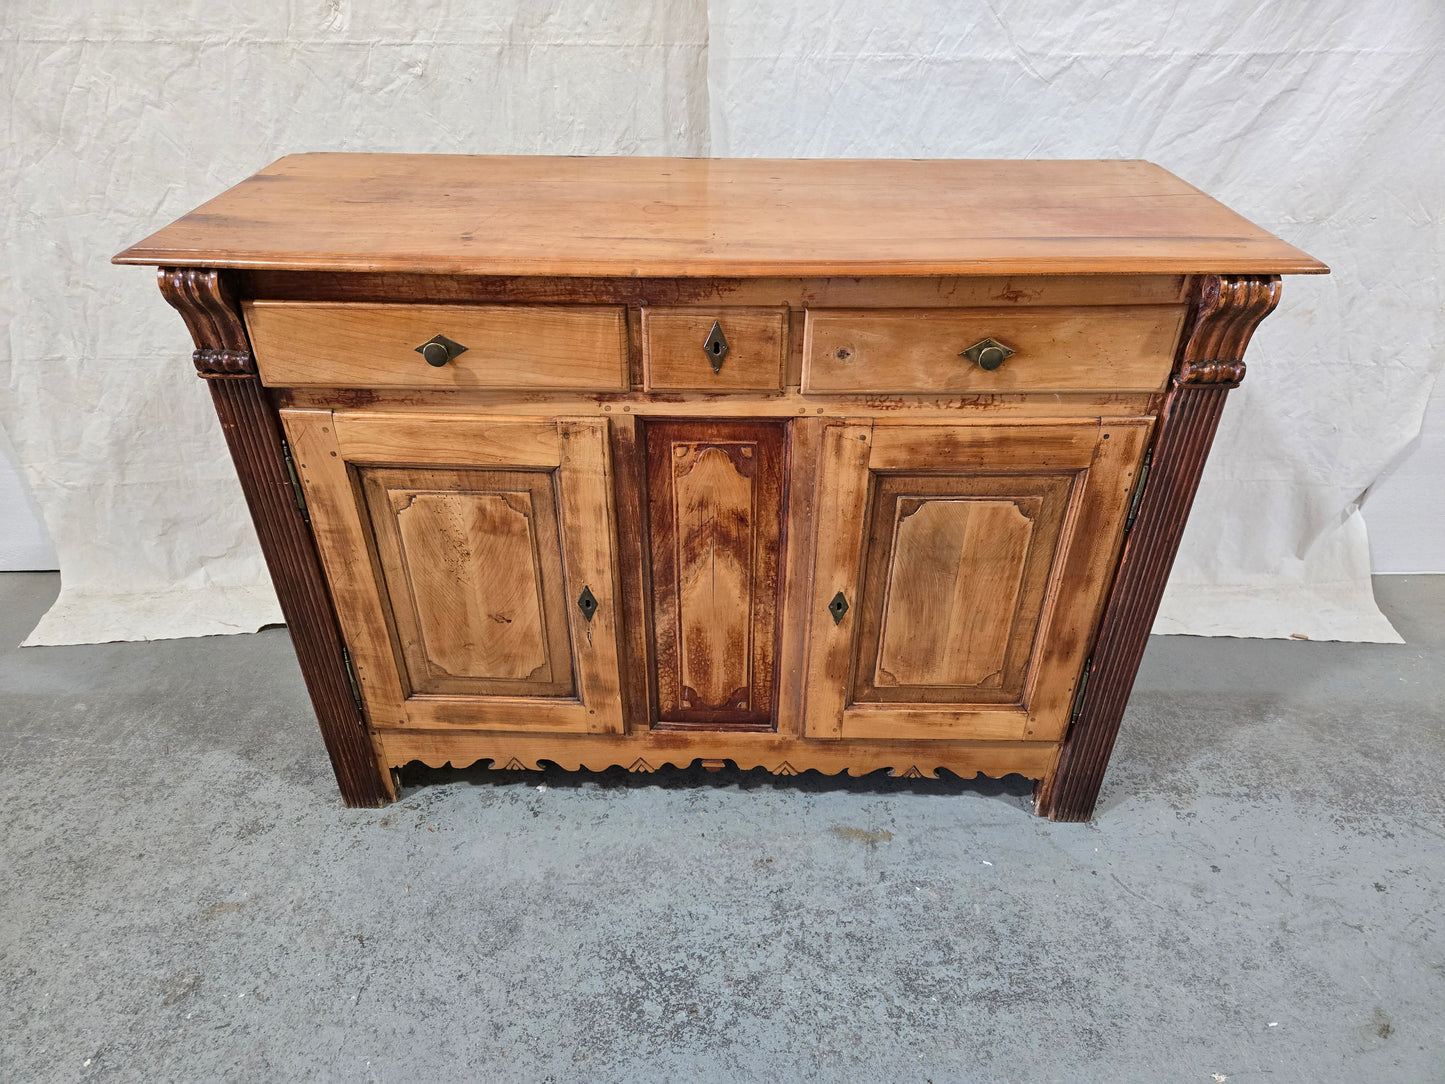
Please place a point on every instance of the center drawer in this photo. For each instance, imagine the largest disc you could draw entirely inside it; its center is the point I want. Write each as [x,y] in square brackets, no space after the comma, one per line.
[728,349]
[359,345]
[1128,348]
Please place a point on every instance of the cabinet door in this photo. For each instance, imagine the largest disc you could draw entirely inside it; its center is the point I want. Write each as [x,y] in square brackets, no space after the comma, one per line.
[472,564]
[960,571]
[715,506]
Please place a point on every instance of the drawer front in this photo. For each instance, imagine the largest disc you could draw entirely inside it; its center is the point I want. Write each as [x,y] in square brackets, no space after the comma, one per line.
[919,351]
[682,352]
[349,345]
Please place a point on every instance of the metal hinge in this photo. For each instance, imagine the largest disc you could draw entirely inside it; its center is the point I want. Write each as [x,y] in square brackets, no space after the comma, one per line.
[351,680]
[294,481]
[1138,497]
[1079,694]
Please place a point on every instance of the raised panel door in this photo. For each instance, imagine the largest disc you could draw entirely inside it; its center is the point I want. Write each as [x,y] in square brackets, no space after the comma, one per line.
[715,503]
[956,573]
[471,571]
[959,574]
[473,565]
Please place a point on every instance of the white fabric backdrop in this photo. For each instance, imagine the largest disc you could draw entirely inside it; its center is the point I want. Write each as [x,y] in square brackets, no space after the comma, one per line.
[1316,118]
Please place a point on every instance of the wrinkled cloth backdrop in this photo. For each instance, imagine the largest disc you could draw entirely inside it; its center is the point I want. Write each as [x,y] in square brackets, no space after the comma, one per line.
[1315,118]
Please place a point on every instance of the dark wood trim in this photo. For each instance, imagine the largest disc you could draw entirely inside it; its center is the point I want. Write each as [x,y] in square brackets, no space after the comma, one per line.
[1227,310]
[253,433]
[638,291]
[756,449]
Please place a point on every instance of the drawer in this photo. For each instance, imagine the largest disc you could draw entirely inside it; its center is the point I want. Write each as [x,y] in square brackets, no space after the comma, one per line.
[680,349]
[351,345]
[1055,349]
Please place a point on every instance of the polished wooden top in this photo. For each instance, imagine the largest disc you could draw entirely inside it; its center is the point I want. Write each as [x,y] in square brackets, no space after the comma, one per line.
[455,214]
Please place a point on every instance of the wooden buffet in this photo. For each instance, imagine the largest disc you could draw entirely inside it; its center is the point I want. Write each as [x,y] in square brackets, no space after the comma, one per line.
[833,465]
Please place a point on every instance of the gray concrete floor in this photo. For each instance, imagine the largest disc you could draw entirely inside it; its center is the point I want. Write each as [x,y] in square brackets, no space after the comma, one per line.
[182,896]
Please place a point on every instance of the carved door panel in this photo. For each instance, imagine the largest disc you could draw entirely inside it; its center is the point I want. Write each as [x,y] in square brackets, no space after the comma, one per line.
[473,565]
[960,572]
[715,508]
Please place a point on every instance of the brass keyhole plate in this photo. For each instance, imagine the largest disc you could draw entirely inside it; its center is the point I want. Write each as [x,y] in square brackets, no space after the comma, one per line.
[715,346]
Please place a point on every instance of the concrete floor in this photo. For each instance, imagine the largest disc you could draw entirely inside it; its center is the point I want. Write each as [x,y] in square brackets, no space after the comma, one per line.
[182,896]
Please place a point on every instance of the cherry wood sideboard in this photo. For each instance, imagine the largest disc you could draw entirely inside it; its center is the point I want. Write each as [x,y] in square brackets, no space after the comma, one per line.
[830,465]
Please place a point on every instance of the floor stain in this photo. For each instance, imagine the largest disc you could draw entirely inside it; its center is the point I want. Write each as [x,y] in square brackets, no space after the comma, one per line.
[1381,1024]
[859,835]
[179,986]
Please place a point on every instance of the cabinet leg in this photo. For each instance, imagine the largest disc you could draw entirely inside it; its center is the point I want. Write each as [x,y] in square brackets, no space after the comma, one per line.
[1228,308]
[1188,427]
[253,434]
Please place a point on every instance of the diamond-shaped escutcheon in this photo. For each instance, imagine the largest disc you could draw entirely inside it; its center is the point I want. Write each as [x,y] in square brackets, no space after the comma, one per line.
[438,350]
[587,603]
[715,346]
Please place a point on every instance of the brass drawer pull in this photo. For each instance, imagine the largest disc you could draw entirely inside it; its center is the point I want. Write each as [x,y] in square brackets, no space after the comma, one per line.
[438,350]
[987,354]
[715,346]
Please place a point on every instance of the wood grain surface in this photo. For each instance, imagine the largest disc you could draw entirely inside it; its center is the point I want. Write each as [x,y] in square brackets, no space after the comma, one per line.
[374,346]
[914,591]
[472,569]
[674,358]
[421,404]
[383,603]
[957,570]
[715,490]
[468,215]
[907,291]
[775,753]
[1101,348]
[841,509]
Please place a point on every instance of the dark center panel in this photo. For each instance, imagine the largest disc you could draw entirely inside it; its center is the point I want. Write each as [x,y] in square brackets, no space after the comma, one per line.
[715,509]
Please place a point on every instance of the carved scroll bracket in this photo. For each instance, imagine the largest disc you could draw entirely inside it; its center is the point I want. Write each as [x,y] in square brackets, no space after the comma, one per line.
[205,303]
[1230,308]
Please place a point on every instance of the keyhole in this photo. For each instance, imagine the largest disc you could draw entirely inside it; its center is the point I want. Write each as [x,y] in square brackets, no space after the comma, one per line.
[715,346]
[587,603]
